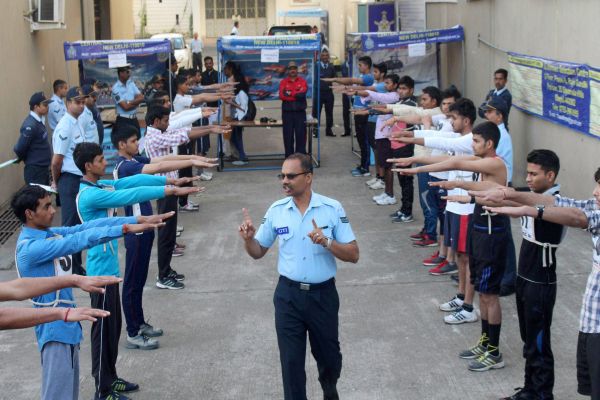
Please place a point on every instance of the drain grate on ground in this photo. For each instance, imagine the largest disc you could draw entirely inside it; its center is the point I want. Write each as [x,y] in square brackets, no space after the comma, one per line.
[9,224]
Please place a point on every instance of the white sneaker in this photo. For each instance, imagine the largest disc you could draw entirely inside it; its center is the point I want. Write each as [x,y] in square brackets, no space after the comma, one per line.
[461,316]
[206,176]
[453,305]
[386,201]
[379,196]
[377,185]
[371,181]
[179,228]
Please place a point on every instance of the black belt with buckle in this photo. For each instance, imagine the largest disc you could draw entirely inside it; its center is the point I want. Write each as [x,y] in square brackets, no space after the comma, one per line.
[134,116]
[307,286]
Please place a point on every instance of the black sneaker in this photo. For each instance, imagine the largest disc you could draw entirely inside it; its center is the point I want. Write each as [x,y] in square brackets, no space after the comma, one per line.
[121,385]
[520,394]
[396,214]
[114,395]
[149,331]
[174,275]
[169,283]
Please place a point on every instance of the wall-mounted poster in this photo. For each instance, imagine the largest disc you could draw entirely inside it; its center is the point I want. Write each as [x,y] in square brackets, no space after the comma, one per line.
[382,17]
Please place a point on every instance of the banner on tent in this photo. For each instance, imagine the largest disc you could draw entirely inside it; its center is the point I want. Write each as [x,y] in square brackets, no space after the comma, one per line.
[561,92]
[292,42]
[390,40]
[101,49]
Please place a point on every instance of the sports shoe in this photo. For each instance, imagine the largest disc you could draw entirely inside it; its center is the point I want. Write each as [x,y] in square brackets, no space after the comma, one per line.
[169,283]
[377,185]
[188,208]
[196,205]
[461,316]
[206,176]
[174,275]
[148,330]
[240,162]
[403,218]
[141,342]
[487,361]
[396,213]
[121,385]
[180,246]
[476,351]
[454,278]
[177,234]
[114,395]
[452,305]
[180,228]
[379,196]
[178,252]
[433,260]
[360,172]
[417,236]
[520,394]
[386,201]
[426,241]
[445,268]
[371,181]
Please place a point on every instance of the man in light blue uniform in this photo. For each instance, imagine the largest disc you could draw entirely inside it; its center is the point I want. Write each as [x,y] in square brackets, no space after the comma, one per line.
[45,251]
[86,119]
[127,98]
[57,108]
[313,231]
[65,175]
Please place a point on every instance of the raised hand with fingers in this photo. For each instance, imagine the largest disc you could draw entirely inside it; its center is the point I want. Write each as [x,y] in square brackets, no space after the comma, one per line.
[448,185]
[406,171]
[154,219]
[206,159]
[208,111]
[84,314]
[401,162]
[203,164]
[246,229]
[457,198]
[183,180]
[514,212]
[182,191]
[94,284]
[138,228]
[316,235]
[492,196]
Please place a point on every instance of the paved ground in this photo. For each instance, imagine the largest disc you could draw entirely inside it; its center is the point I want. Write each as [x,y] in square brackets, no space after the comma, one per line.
[220,340]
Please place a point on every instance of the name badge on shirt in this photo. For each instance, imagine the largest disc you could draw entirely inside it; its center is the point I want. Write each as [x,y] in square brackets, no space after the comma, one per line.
[282,231]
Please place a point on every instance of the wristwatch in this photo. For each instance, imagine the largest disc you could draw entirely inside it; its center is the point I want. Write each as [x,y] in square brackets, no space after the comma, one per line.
[540,210]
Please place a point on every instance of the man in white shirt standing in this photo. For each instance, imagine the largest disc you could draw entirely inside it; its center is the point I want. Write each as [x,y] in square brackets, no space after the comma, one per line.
[196,46]
[234,30]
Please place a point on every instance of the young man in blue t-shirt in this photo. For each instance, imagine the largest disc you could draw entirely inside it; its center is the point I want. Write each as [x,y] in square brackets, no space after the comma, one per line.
[139,247]
[360,121]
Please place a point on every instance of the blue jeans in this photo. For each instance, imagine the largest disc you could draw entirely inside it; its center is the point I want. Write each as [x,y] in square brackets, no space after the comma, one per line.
[423,181]
[238,142]
[437,207]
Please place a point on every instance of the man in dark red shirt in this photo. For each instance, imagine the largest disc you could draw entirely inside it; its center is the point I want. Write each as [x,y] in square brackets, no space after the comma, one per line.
[292,92]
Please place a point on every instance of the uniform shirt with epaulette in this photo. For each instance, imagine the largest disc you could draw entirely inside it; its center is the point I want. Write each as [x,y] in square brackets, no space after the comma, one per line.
[33,146]
[299,258]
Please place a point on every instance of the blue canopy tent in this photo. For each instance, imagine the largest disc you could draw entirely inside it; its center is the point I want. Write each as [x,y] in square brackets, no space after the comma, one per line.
[147,57]
[405,53]
[249,52]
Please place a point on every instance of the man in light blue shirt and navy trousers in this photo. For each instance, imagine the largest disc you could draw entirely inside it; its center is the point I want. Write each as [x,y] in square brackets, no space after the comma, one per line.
[312,231]
[45,251]
[127,98]
[57,108]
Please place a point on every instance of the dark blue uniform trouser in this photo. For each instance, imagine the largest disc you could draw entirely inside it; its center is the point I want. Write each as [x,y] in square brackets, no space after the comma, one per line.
[37,174]
[360,124]
[327,101]
[294,131]
[314,311]
[137,261]
[510,272]
[68,187]
[535,304]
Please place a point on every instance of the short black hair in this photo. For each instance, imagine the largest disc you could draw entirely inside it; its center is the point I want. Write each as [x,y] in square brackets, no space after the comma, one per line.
[434,93]
[488,131]
[597,176]
[85,152]
[27,198]
[394,78]
[451,91]
[546,159]
[465,108]
[502,71]
[366,60]
[156,112]
[208,58]
[123,134]
[407,81]
[382,67]
[305,161]
[57,84]
[181,79]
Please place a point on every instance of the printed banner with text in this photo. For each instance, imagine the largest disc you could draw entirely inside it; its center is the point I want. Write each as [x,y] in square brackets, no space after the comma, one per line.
[561,92]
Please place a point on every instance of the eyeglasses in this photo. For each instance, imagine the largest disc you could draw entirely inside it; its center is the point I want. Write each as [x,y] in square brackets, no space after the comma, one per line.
[292,176]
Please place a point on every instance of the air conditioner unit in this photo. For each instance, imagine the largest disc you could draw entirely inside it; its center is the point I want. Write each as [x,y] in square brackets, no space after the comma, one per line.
[47,14]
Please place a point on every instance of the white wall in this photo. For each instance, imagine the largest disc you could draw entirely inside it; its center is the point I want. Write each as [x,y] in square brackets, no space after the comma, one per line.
[161,16]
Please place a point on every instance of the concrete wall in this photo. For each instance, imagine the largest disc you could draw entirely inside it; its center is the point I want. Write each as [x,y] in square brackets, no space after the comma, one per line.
[31,62]
[561,30]
[121,19]
[161,16]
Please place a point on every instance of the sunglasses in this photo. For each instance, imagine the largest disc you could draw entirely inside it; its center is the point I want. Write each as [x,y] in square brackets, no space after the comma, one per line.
[292,176]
